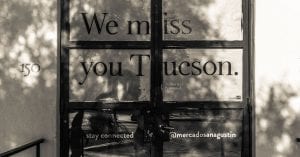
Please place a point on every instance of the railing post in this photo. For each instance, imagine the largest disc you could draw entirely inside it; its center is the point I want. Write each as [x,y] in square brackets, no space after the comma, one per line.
[38,150]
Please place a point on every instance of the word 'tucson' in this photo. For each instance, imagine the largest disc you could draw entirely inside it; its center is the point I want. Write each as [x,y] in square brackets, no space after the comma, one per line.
[170,68]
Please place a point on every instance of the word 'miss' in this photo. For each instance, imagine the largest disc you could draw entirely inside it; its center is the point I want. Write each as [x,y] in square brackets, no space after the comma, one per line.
[103,23]
[171,68]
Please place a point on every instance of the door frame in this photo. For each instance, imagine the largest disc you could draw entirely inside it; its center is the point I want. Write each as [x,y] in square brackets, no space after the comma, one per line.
[156,45]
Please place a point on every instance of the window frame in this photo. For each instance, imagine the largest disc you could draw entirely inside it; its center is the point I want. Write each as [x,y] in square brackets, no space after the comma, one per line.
[156,46]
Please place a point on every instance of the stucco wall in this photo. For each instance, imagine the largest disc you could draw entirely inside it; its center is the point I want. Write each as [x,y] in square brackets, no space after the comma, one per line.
[277,65]
[28,103]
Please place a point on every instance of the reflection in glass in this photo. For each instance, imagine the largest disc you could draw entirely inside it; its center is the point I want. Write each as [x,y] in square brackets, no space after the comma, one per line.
[202,20]
[205,133]
[104,133]
[202,74]
[109,75]
[109,20]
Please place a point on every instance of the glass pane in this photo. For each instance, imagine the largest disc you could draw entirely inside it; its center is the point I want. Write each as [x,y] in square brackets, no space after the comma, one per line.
[109,20]
[205,133]
[103,133]
[202,74]
[109,75]
[202,20]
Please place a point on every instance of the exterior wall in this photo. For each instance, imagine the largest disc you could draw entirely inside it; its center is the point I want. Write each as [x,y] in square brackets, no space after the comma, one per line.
[277,65]
[28,104]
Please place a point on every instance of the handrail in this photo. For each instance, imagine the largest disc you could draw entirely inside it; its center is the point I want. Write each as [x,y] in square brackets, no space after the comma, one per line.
[24,147]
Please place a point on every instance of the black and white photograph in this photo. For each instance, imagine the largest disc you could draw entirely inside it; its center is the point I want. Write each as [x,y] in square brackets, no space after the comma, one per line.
[149,78]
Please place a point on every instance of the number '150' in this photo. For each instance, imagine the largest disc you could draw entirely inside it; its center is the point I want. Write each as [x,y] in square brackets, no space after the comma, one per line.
[26,69]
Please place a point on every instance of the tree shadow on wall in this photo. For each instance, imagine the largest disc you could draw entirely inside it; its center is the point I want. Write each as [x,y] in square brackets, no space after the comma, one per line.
[277,122]
[28,36]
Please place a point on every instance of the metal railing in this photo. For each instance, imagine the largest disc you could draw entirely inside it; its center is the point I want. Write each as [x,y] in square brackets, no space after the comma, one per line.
[24,147]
